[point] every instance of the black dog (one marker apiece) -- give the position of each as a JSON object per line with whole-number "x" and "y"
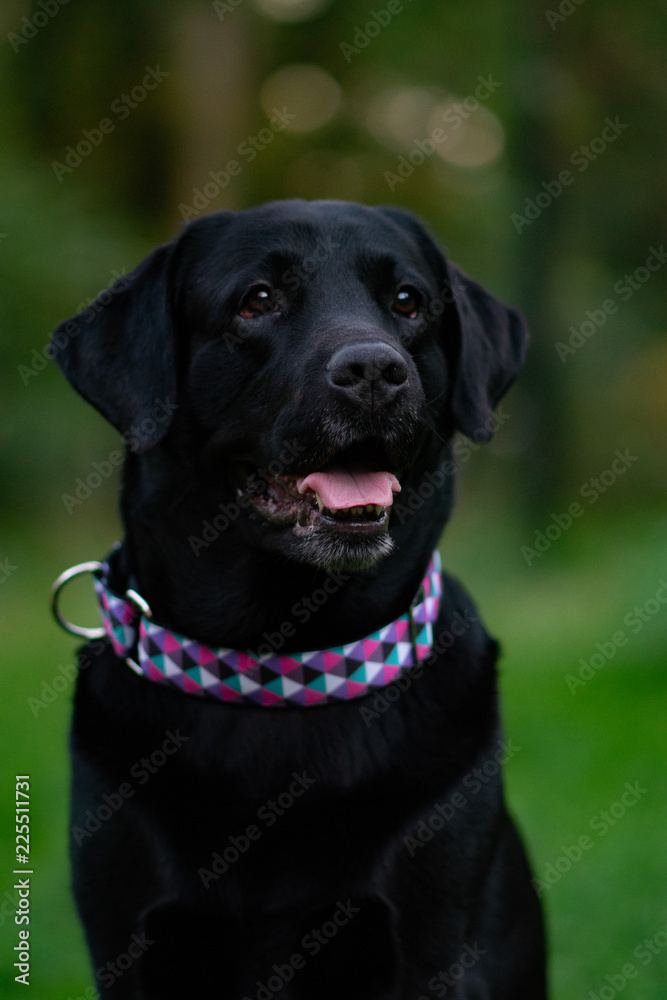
{"x": 278, "y": 375}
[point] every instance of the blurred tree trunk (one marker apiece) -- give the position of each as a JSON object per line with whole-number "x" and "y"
{"x": 216, "y": 84}
{"x": 538, "y": 157}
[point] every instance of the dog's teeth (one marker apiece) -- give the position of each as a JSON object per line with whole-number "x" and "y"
{"x": 356, "y": 511}
{"x": 319, "y": 502}
{"x": 370, "y": 508}
{"x": 378, "y": 509}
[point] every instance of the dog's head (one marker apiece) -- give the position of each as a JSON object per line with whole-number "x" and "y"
{"x": 305, "y": 361}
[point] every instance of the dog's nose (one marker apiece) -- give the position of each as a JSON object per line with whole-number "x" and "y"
{"x": 368, "y": 373}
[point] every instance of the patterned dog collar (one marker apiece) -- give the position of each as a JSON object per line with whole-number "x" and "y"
{"x": 275, "y": 680}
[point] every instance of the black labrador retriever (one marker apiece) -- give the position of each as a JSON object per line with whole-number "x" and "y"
{"x": 250, "y": 820}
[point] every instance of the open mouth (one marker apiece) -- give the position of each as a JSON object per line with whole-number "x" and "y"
{"x": 351, "y": 494}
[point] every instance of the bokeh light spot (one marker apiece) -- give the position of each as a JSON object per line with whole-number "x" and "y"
{"x": 474, "y": 137}
{"x": 400, "y": 115}
{"x": 307, "y": 92}
{"x": 291, "y": 10}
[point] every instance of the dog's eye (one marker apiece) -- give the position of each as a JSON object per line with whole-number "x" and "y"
{"x": 257, "y": 302}
{"x": 407, "y": 302}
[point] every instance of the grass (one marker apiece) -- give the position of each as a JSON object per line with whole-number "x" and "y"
{"x": 578, "y": 750}
{"x": 580, "y": 747}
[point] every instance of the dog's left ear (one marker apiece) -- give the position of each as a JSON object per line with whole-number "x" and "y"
{"x": 492, "y": 344}
{"x": 119, "y": 352}
{"x": 484, "y": 340}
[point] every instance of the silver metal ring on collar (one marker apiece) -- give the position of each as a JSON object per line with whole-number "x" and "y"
{"x": 87, "y": 633}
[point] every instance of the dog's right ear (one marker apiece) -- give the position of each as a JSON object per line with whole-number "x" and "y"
{"x": 119, "y": 353}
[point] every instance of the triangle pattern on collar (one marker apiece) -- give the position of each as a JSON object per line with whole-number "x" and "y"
{"x": 316, "y": 677}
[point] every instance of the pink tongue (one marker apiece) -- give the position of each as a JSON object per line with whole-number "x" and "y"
{"x": 339, "y": 488}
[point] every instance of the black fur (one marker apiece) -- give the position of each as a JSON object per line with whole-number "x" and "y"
{"x": 205, "y": 398}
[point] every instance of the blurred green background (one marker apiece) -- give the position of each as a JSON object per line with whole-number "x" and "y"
{"x": 119, "y": 118}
